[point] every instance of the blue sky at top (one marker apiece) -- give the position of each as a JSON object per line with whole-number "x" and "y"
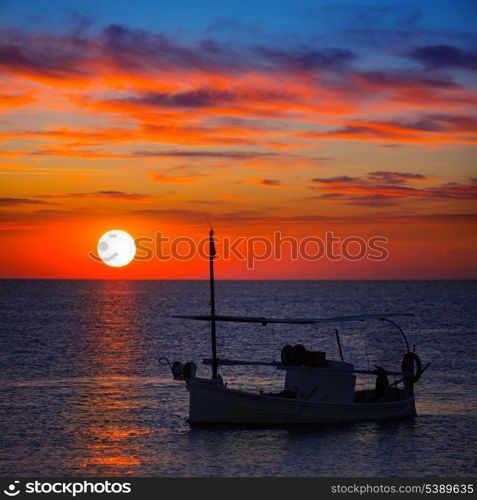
{"x": 378, "y": 32}
{"x": 305, "y": 17}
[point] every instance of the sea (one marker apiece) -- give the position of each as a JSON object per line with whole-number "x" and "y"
{"x": 82, "y": 391}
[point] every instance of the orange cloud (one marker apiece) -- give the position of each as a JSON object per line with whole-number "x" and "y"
{"x": 233, "y": 196}
{"x": 15, "y": 100}
{"x": 177, "y": 175}
{"x": 108, "y": 195}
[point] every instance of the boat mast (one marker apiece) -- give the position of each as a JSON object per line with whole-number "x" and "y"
{"x": 215, "y": 363}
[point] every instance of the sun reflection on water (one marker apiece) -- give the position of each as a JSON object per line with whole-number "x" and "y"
{"x": 110, "y": 438}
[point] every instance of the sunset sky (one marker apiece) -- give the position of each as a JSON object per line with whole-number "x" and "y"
{"x": 267, "y": 115}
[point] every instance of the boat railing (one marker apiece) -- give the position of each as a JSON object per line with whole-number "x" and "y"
{"x": 280, "y": 365}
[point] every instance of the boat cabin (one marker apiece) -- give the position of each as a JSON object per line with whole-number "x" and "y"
{"x": 325, "y": 381}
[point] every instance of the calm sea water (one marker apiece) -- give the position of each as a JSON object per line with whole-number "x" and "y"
{"x": 82, "y": 392}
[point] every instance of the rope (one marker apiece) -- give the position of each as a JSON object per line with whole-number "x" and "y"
{"x": 165, "y": 362}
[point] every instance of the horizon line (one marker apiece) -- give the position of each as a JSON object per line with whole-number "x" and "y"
{"x": 236, "y": 279}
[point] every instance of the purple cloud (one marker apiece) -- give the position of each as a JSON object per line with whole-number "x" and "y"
{"x": 445, "y": 56}
{"x": 14, "y": 202}
{"x": 271, "y": 182}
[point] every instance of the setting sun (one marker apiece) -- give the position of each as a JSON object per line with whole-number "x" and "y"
{"x": 116, "y": 248}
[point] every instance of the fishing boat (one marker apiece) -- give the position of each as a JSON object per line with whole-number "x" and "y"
{"x": 316, "y": 389}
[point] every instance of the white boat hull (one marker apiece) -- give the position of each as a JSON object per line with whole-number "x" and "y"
{"x": 212, "y": 403}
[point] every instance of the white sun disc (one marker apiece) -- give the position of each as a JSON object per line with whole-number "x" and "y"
{"x": 116, "y": 248}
